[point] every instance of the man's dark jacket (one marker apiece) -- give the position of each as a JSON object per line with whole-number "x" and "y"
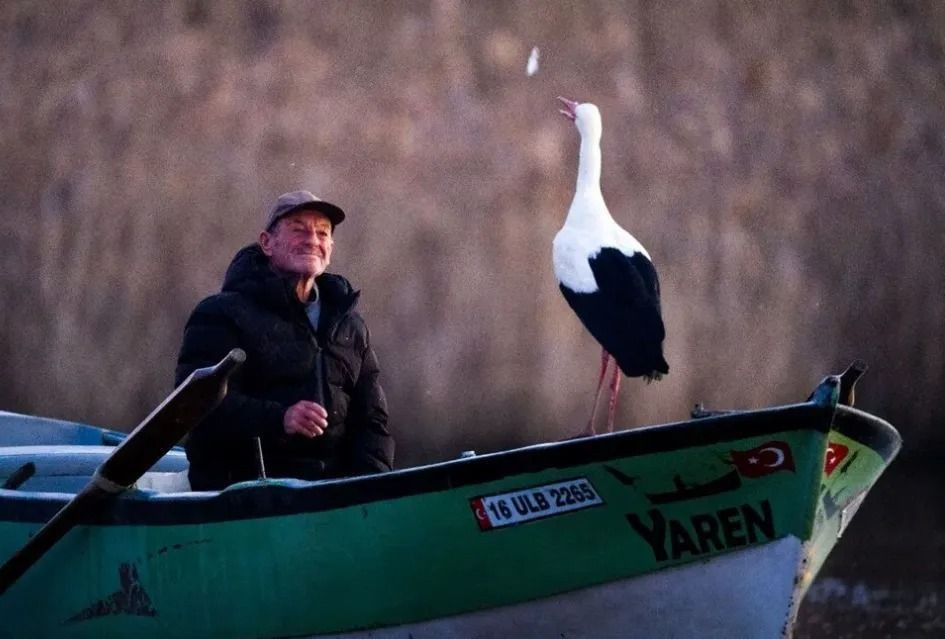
{"x": 287, "y": 361}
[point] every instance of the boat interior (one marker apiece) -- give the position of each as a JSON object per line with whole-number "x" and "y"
{"x": 68, "y": 468}
{"x": 45, "y": 455}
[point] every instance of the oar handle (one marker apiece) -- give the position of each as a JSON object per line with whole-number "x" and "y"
{"x": 190, "y": 402}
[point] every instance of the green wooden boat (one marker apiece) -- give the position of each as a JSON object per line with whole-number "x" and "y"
{"x": 712, "y": 527}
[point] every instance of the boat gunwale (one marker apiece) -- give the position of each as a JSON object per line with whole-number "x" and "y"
{"x": 868, "y": 429}
{"x": 257, "y": 499}
{"x": 271, "y": 498}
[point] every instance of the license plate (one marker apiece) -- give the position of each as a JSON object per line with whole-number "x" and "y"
{"x": 537, "y": 502}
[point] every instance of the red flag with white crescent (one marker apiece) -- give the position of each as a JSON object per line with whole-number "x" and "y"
{"x": 763, "y": 460}
{"x": 479, "y": 510}
{"x": 836, "y": 453}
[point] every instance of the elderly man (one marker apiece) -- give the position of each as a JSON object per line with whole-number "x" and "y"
{"x": 309, "y": 389}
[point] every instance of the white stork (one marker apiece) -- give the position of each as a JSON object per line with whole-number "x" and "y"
{"x": 606, "y": 275}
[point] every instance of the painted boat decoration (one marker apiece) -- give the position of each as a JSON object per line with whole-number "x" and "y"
{"x": 712, "y": 527}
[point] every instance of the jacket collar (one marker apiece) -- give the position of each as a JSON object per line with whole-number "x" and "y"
{"x": 250, "y": 275}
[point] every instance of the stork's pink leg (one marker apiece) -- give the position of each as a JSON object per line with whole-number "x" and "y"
{"x": 612, "y": 406}
{"x": 604, "y": 360}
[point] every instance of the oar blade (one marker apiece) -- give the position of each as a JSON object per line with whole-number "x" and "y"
{"x": 181, "y": 411}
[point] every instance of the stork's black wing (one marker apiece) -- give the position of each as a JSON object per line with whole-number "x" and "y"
{"x": 624, "y": 313}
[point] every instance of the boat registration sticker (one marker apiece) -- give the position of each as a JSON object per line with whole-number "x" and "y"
{"x": 538, "y": 502}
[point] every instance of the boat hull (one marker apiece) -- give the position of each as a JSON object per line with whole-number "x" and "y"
{"x": 696, "y": 600}
{"x": 663, "y": 531}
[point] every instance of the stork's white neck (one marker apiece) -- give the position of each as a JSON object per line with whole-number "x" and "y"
{"x": 588, "y": 207}
{"x": 589, "y": 159}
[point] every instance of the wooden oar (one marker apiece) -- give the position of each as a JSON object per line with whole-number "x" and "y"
{"x": 190, "y": 402}
{"x": 20, "y": 475}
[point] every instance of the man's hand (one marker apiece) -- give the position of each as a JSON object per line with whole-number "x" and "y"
{"x": 305, "y": 418}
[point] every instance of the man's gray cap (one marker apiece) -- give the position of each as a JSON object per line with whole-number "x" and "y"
{"x": 303, "y": 201}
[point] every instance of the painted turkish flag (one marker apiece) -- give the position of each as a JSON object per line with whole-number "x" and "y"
{"x": 836, "y": 453}
{"x": 479, "y": 510}
{"x": 763, "y": 460}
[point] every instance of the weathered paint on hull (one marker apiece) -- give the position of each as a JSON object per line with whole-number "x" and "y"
{"x": 741, "y": 594}
{"x": 457, "y": 546}
{"x": 851, "y": 468}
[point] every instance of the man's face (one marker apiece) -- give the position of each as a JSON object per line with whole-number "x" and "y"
{"x": 299, "y": 244}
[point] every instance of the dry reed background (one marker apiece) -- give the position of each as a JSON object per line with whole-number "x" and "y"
{"x": 782, "y": 162}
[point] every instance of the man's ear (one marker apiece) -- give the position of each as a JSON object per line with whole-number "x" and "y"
{"x": 265, "y": 243}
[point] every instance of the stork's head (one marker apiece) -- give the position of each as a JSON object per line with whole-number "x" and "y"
{"x": 586, "y": 117}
